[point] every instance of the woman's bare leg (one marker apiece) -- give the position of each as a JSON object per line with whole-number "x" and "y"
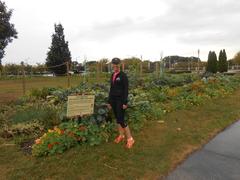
{"x": 128, "y": 132}
{"x": 120, "y": 130}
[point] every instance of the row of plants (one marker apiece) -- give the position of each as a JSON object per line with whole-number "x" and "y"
{"x": 194, "y": 94}
{"x": 46, "y": 111}
{"x": 141, "y": 109}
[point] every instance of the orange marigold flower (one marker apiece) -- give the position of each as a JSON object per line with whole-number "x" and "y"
{"x": 38, "y": 141}
{"x": 50, "y": 146}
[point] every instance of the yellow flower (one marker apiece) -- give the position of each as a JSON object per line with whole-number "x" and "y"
{"x": 50, "y": 130}
{"x": 57, "y": 130}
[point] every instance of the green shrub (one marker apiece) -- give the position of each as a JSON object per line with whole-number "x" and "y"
{"x": 47, "y": 114}
{"x": 41, "y": 93}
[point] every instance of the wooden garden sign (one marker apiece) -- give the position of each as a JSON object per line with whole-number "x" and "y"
{"x": 80, "y": 105}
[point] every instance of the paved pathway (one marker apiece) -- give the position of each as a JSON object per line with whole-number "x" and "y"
{"x": 219, "y": 159}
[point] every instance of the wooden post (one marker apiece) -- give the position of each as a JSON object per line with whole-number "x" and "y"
{"x": 157, "y": 72}
{"x": 97, "y": 73}
{"x": 23, "y": 79}
{"x": 161, "y": 65}
{"x": 141, "y": 67}
{"x": 101, "y": 70}
{"x": 68, "y": 75}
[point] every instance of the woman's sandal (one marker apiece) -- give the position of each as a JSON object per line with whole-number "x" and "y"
{"x": 119, "y": 139}
{"x": 130, "y": 143}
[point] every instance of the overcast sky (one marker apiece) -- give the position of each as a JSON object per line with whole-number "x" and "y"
{"x": 124, "y": 28}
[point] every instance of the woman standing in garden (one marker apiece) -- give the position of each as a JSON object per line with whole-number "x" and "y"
{"x": 117, "y": 101}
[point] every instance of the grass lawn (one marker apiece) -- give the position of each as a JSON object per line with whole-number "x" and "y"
{"x": 12, "y": 89}
{"x": 159, "y": 148}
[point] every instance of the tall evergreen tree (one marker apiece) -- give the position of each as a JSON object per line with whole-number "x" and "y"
{"x": 225, "y": 63}
{"x": 221, "y": 63}
{"x": 215, "y": 62}
{"x": 223, "y": 67}
{"x": 58, "y": 52}
{"x": 209, "y": 62}
{"x": 212, "y": 64}
{"x": 7, "y": 30}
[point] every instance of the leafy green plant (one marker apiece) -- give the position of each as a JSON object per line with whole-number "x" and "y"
{"x": 69, "y": 134}
{"x": 52, "y": 142}
{"x": 41, "y": 93}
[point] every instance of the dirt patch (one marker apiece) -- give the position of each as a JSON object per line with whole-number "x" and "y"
{"x": 26, "y": 146}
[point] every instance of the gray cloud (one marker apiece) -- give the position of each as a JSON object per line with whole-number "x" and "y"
{"x": 207, "y": 22}
{"x": 191, "y": 21}
{"x": 185, "y": 25}
{"x": 105, "y": 31}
